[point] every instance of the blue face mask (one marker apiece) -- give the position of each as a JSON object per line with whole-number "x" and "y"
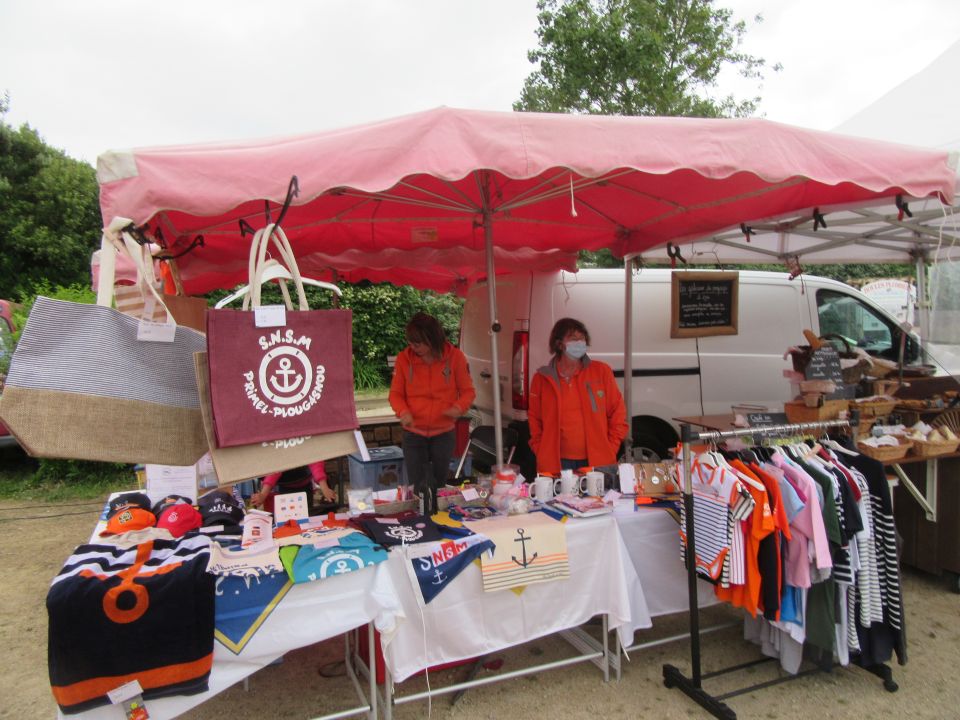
{"x": 575, "y": 349}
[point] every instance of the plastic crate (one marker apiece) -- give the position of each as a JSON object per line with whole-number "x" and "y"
{"x": 383, "y": 470}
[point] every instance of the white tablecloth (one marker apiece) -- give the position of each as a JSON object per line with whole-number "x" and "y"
{"x": 463, "y": 621}
{"x": 307, "y": 614}
{"x": 653, "y": 542}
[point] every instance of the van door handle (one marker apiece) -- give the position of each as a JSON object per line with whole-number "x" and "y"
{"x": 485, "y": 374}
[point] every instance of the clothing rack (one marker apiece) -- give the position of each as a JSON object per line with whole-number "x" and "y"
{"x": 692, "y": 686}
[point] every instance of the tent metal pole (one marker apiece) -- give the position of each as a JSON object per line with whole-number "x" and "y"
{"x": 494, "y": 328}
{"x": 923, "y": 302}
{"x": 628, "y": 354}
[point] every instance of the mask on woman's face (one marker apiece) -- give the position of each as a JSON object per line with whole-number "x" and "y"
{"x": 575, "y": 349}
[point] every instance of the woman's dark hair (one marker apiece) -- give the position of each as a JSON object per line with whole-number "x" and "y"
{"x": 561, "y": 328}
{"x": 424, "y": 328}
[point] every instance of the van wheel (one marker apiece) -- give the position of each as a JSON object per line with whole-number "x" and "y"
{"x": 652, "y": 440}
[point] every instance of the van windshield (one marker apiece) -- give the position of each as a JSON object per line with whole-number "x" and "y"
{"x": 861, "y": 326}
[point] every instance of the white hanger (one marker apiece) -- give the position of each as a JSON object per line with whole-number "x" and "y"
{"x": 275, "y": 271}
{"x": 716, "y": 460}
{"x": 834, "y": 445}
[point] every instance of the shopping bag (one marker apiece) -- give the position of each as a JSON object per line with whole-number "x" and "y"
{"x": 81, "y": 385}
{"x": 188, "y": 311}
{"x": 656, "y": 479}
{"x": 132, "y": 282}
{"x": 272, "y": 383}
{"x": 129, "y": 300}
{"x": 243, "y": 462}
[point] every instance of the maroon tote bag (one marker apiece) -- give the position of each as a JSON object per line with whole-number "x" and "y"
{"x": 275, "y": 383}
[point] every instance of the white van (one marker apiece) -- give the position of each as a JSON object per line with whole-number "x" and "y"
{"x": 671, "y": 377}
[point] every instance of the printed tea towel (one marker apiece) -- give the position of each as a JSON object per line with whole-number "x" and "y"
{"x": 528, "y": 549}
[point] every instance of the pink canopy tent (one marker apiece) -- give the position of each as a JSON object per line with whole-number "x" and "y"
{"x": 450, "y": 178}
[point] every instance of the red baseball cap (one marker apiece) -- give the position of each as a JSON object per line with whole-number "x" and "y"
{"x": 179, "y": 519}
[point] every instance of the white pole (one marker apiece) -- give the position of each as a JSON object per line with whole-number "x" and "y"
{"x": 494, "y": 329}
{"x": 628, "y": 354}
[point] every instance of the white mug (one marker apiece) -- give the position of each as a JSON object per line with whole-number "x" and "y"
{"x": 567, "y": 484}
{"x": 541, "y": 488}
{"x": 594, "y": 483}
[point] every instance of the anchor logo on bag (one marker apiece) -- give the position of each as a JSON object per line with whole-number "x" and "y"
{"x": 285, "y": 384}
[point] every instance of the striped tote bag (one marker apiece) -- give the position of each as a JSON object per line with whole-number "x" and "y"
{"x": 82, "y": 386}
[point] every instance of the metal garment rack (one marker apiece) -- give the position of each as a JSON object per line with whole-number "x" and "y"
{"x": 692, "y": 686}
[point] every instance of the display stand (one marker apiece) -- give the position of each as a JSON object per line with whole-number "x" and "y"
{"x": 692, "y": 686}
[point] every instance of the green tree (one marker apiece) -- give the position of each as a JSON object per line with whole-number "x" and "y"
{"x": 637, "y": 57}
{"x": 49, "y": 213}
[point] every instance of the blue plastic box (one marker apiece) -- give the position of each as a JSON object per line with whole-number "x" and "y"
{"x": 382, "y": 471}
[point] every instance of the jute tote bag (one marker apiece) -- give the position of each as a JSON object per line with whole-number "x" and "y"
{"x": 243, "y": 462}
{"x": 81, "y": 385}
{"x": 135, "y": 299}
{"x": 272, "y": 383}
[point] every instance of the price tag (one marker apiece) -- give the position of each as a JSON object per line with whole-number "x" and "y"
{"x": 471, "y": 494}
{"x": 125, "y": 692}
{"x": 149, "y": 331}
{"x": 270, "y": 316}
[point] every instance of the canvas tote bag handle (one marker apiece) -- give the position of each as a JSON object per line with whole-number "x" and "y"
{"x": 258, "y": 263}
{"x": 115, "y": 239}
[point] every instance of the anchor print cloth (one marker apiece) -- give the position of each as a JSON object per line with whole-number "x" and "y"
{"x": 354, "y": 551}
{"x": 389, "y": 531}
{"x": 276, "y": 383}
{"x": 437, "y": 564}
{"x": 529, "y": 549}
{"x": 122, "y": 613}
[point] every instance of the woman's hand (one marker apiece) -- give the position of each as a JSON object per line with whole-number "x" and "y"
{"x": 406, "y": 420}
{"x": 452, "y": 412}
{"x": 258, "y": 498}
{"x": 328, "y": 493}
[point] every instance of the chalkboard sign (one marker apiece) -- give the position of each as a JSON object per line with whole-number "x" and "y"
{"x": 703, "y": 303}
{"x": 766, "y": 419}
{"x": 824, "y": 365}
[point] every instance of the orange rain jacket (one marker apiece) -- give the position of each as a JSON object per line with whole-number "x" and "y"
{"x": 426, "y": 390}
{"x": 605, "y": 422}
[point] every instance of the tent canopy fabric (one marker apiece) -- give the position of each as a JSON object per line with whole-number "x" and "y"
{"x": 922, "y": 110}
{"x": 434, "y": 180}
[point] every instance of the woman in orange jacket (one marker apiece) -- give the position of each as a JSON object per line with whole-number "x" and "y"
{"x": 577, "y": 416}
{"x": 431, "y": 388}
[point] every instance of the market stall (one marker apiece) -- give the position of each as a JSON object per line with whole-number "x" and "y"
{"x": 504, "y": 187}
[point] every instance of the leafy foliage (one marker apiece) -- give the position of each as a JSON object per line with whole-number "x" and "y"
{"x": 49, "y": 213}
{"x": 637, "y": 57}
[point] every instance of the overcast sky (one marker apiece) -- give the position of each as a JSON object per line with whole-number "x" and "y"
{"x": 93, "y": 75}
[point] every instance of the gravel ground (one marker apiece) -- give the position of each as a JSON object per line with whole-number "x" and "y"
{"x": 37, "y": 539}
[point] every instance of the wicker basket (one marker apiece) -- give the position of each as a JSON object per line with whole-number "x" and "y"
{"x": 445, "y": 501}
{"x": 873, "y": 408}
{"x": 798, "y": 412}
{"x": 388, "y": 508}
{"x": 865, "y": 425}
{"x": 887, "y": 453}
{"x": 926, "y": 448}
